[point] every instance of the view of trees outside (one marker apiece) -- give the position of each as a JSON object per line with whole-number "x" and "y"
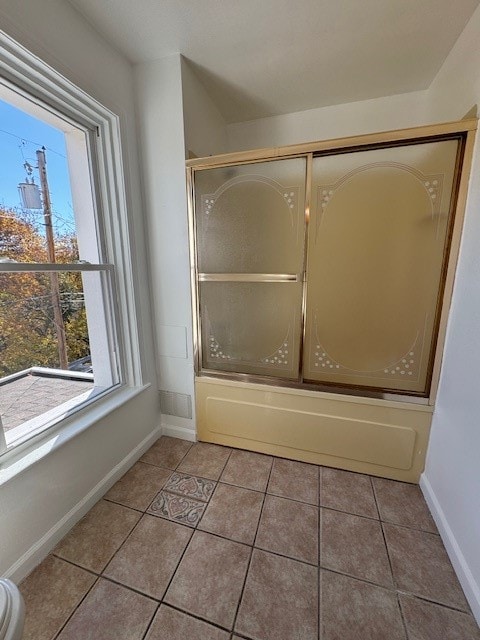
{"x": 27, "y": 330}
{"x": 28, "y": 335}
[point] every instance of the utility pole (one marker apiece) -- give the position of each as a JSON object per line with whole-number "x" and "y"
{"x": 55, "y": 288}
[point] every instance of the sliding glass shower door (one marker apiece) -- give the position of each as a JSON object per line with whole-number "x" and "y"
{"x": 326, "y": 269}
{"x": 377, "y": 243}
{"x": 250, "y": 223}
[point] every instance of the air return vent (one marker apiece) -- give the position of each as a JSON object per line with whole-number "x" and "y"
{"x": 176, "y": 404}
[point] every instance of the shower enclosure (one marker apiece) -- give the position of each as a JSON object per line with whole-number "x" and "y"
{"x": 324, "y": 266}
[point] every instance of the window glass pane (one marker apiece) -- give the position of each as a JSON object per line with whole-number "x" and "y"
{"x": 46, "y": 205}
{"x": 35, "y": 386}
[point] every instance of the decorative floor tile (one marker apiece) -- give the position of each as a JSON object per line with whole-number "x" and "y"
{"x": 205, "y": 460}
{"x": 167, "y": 452}
{"x": 295, "y": 480}
{"x": 209, "y": 580}
{"x": 110, "y": 612}
{"x": 190, "y": 486}
{"x": 248, "y": 470}
{"x": 178, "y": 508}
{"x": 233, "y": 513}
{"x": 427, "y": 621}
{"x": 170, "y": 624}
{"x": 93, "y": 541}
{"x": 148, "y": 558}
{"x": 421, "y": 566}
{"x": 354, "y": 545}
{"x": 347, "y": 491}
{"x": 138, "y": 487}
{"x": 51, "y": 593}
{"x": 403, "y": 503}
{"x": 289, "y": 528}
{"x": 280, "y": 600}
{"x": 355, "y": 610}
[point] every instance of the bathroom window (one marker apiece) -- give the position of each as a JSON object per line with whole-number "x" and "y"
{"x": 65, "y": 314}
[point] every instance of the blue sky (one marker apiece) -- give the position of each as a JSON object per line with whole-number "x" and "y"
{"x": 20, "y": 136}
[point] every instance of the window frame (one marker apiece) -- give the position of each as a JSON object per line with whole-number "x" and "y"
{"x": 35, "y": 80}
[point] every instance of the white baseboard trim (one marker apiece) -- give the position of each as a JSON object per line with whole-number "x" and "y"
{"x": 178, "y": 432}
{"x": 38, "y": 551}
{"x": 465, "y": 576}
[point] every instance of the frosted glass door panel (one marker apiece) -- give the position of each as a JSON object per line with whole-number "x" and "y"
{"x": 376, "y": 246}
{"x": 250, "y": 218}
{"x": 251, "y": 327}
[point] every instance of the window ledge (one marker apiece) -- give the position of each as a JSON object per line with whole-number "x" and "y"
{"x": 36, "y": 449}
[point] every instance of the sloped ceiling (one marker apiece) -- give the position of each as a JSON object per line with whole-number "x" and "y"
{"x": 265, "y": 57}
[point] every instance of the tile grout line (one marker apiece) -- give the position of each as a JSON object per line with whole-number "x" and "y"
{"x": 252, "y": 550}
{"x": 196, "y": 616}
{"x": 122, "y": 504}
{"x": 74, "y": 564}
{"x": 411, "y": 594}
{"x": 181, "y": 556}
{"x": 207, "y": 504}
{"x": 123, "y": 543}
{"x": 56, "y": 635}
{"x": 390, "y": 563}
{"x": 100, "y": 573}
{"x": 192, "y": 529}
{"x": 404, "y": 622}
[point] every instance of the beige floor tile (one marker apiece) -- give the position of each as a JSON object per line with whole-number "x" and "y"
{"x": 51, "y": 593}
{"x": 205, "y": 460}
{"x": 248, "y": 470}
{"x": 355, "y": 610}
{"x": 280, "y": 600}
{"x": 167, "y": 452}
{"x": 354, "y": 545}
{"x": 170, "y": 624}
{"x": 208, "y": 583}
{"x": 295, "y": 480}
{"x": 421, "y": 566}
{"x": 403, "y": 503}
{"x": 93, "y": 541}
{"x": 110, "y": 612}
{"x": 148, "y": 559}
{"x": 289, "y": 528}
{"x": 347, "y": 491}
{"x": 233, "y": 513}
{"x": 427, "y": 621}
{"x": 139, "y": 486}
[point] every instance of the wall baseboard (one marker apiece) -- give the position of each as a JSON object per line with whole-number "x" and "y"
{"x": 178, "y": 432}
{"x": 38, "y": 551}
{"x": 465, "y": 576}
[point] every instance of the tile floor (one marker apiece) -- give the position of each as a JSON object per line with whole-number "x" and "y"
{"x": 201, "y": 542}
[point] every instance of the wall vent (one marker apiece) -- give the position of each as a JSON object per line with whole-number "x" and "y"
{"x": 176, "y": 404}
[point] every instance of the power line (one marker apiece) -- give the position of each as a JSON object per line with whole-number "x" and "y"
{"x": 37, "y": 144}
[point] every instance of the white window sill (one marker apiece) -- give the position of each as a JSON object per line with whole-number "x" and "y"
{"x": 37, "y": 448}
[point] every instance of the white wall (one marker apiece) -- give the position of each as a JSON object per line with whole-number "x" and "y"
{"x": 205, "y": 127}
{"x": 160, "y": 116}
{"x": 34, "y": 504}
{"x": 451, "y": 481}
{"x": 355, "y": 118}
{"x": 175, "y": 116}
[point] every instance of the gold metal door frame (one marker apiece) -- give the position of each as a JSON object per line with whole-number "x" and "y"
{"x": 463, "y": 130}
